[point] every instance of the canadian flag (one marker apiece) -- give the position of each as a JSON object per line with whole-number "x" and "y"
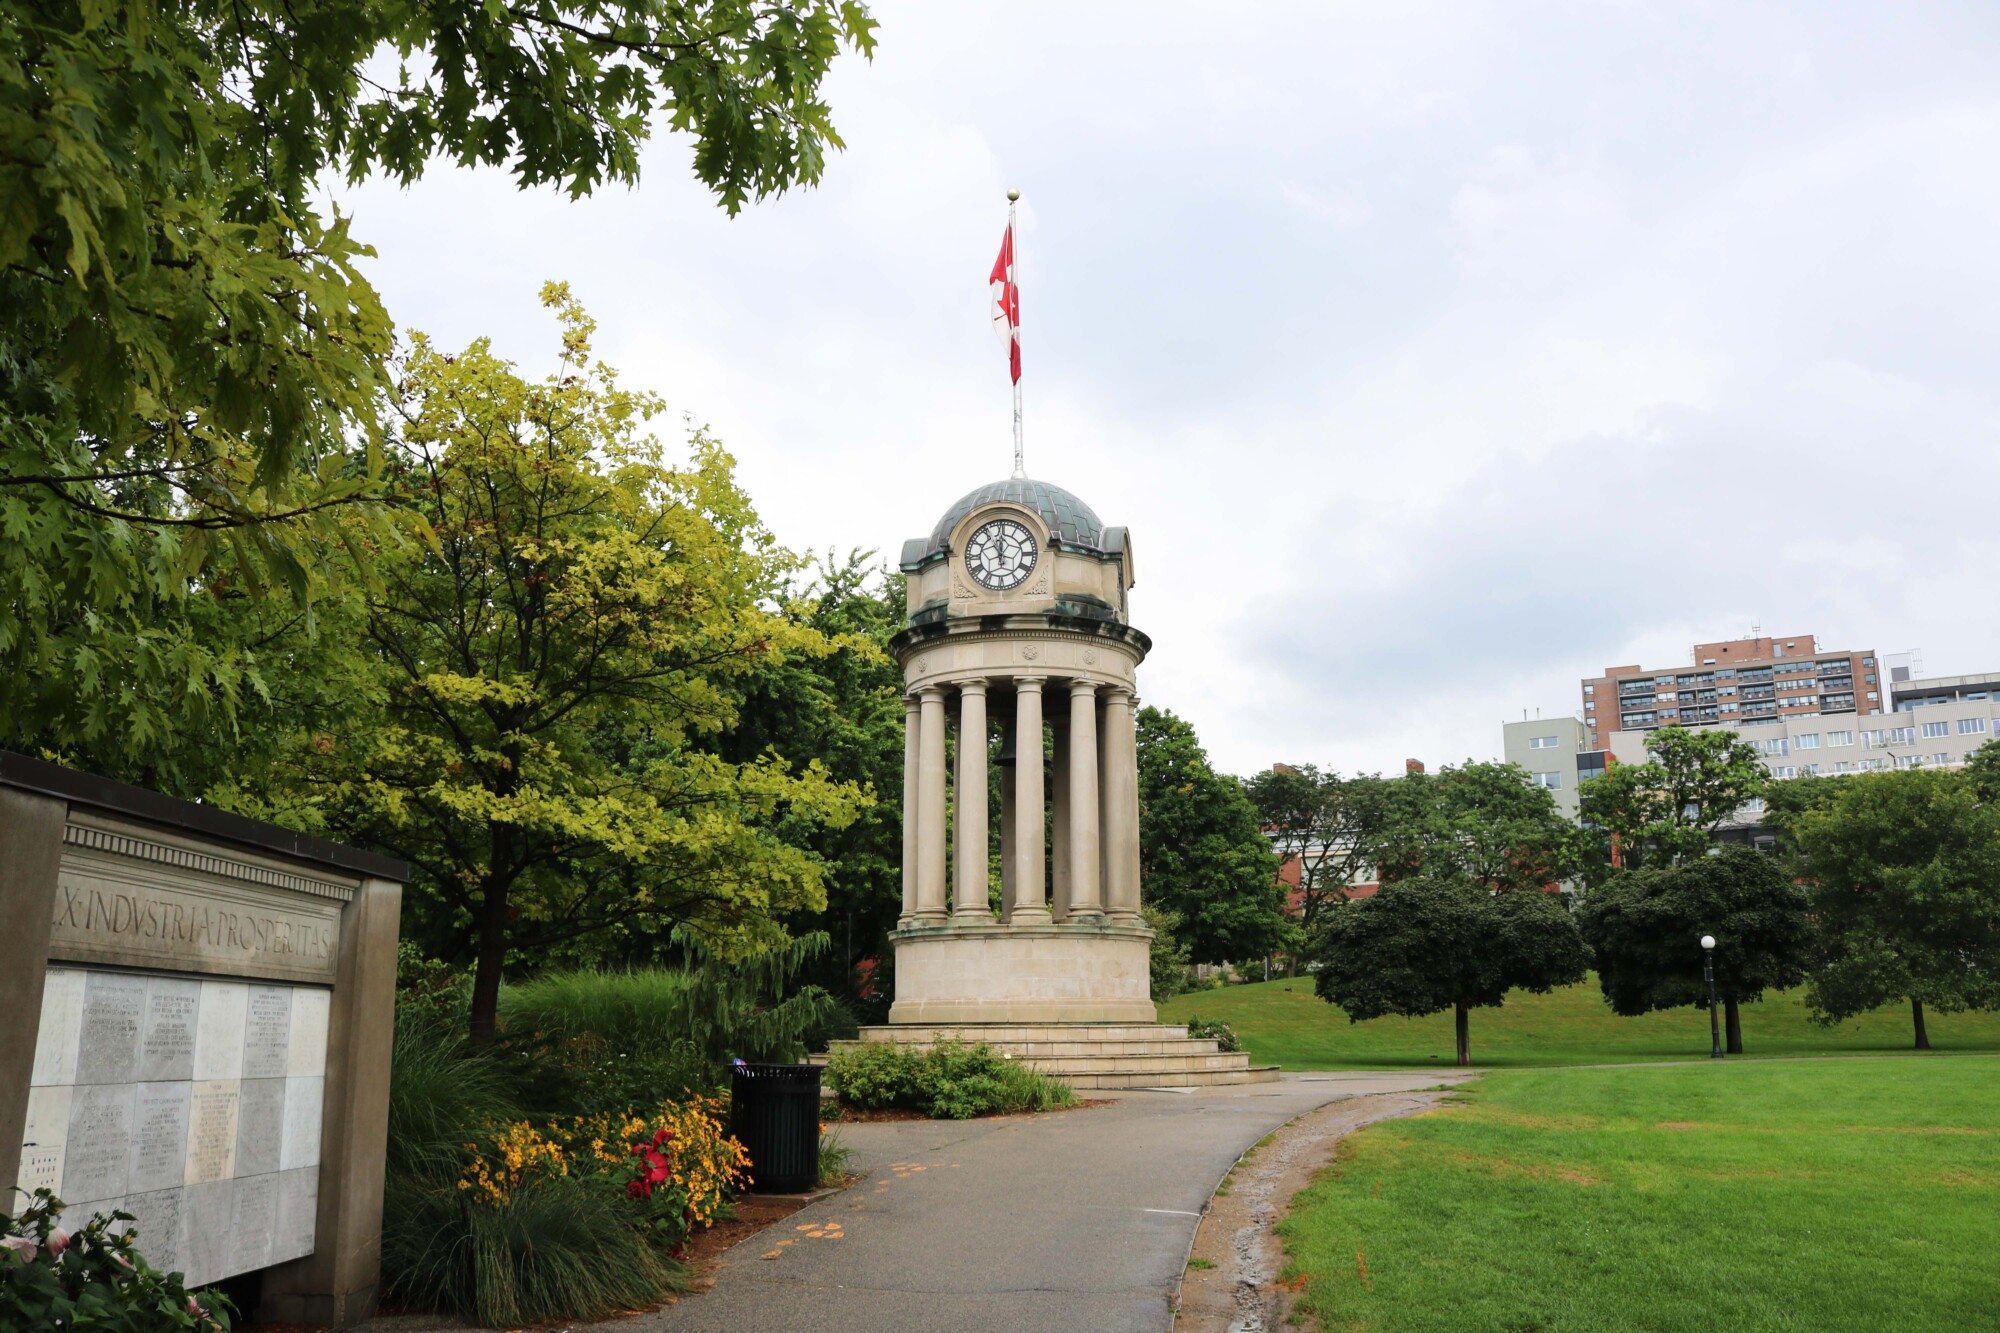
{"x": 1007, "y": 302}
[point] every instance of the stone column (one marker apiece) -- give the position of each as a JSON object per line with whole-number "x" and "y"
{"x": 1121, "y": 808}
{"x": 913, "y": 750}
{"x": 1008, "y": 816}
{"x": 31, "y": 843}
{"x": 1086, "y": 893}
{"x": 1025, "y": 837}
{"x": 971, "y": 902}
{"x": 1059, "y": 824}
{"x": 930, "y": 807}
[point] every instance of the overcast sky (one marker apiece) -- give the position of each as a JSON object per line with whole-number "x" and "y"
{"x": 1436, "y": 356}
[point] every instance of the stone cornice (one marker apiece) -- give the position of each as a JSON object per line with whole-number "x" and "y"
{"x": 141, "y": 849}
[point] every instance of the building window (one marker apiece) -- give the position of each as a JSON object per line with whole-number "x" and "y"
{"x": 1590, "y": 689}
{"x": 1840, "y": 738}
{"x": 1872, "y": 696}
{"x": 1590, "y": 705}
{"x": 1809, "y": 741}
{"x": 1776, "y": 745}
{"x": 1874, "y": 765}
{"x": 1932, "y": 730}
{"x": 1972, "y": 726}
{"x": 1785, "y": 771}
{"x": 1542, "y": 742}
{"x": 1943, "y": 757}
{"x": 1552, "y": 781}
{"x": 1902, "y": 735}
{"x": 1812, "y": 770}
{"x": 1908, "y": 760}
{"x": 1843, "y": 766}
{"x": 1753, "y": 806}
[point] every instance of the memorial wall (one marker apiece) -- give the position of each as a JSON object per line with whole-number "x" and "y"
{"x": 211, "y": 1005}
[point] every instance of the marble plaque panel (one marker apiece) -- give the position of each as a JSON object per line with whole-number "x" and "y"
{"x": 61, "y": 1027}
{"x": 159, "y": 1136}
{"x": 97, "y": 1155}
{"x": 211, "y": 1143}
{"x": 48, "y": 1117}
{"x": 298, "y": 1214}
{"x": 302, "y": 1122}
{"x": 310, "y": 1011}
{"x": 253, "y": 1216}
{"x": 267, "y": 1032}
{"x": 260, "y": 1126}
{"x": 40, "y": 1169}
{"x": 205, "y": 1214}
{"x": 156, "y": 1217}
{"x": 166, "y": 1044}
{"x": 218, "y": 1030}
{"x": 108, "y": 1051}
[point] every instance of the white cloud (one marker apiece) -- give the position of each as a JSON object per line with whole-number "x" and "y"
{"x": 1436, "y": 357}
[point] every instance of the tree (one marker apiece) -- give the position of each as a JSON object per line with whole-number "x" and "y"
{"x": 1202, "y": 857}
{"x": 1666, "y": 810}
{"x": 544, "y": 668}
{"x": 1486, "y": 822}
{"x": 1166, "y": 955}
{"x": 1421, "y": 946}
{"x": 1905, "y": 868}
{"x": 1329, "y": 825}
{"x": 192, "y": 367}
{"x": 1645, "y": 927}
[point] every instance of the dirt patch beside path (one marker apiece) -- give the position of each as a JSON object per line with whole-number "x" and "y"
{"x": 1231, "y": 1282}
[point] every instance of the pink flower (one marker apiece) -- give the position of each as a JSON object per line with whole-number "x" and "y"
{"x": 20, "y": 1245}
{"x": 196, "y": 1310}
{"x": 58, "y": 1242}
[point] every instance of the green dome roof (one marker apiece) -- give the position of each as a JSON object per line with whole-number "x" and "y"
{"x": 1070, "y": 520}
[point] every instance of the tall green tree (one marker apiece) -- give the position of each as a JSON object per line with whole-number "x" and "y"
{"x": 1486, "y": 822}
{"x": 545, "y": 669}
{"x": 1666, "y": 811}
{"x": 1202, "y": 856}
{"x": 192, "y": 366}
{"x": 1905, "y": 868}
{"x": 1421, "y": 946}
{"x": 1329, "y": 826}
{"x": 1645, "y": 926}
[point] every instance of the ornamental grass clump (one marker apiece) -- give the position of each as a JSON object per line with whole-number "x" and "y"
{"x": 950, "y": 1081}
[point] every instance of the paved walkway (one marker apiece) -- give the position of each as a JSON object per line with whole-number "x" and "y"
{"x": 1074, "y": 1220}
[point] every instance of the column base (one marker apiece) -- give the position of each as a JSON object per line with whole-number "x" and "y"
{"x": 1030, "y": 916}
{"x": 989, "y": 973}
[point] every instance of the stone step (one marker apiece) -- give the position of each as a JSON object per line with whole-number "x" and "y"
{"x": 997, "y": 1033}
{"x": 1042, "y": 1050}
{"x": 1197, "y": 1078}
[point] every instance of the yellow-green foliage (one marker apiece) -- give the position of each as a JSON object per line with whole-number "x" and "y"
{"x": 546, "y": 662}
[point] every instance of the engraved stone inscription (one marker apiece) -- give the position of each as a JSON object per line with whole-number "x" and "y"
{"x": 267, "y": 1032}
{"x": 157, "y": 1221}
{"x": 109, "y": 1050}
{"x": 260, "y": 1126}
{"x": 302, "y": 1121}
{"x": 159, "y": 1136}
{"x": 166, "y": 1044}
{"x": 298, "y": 1212}
{"x": 218, "y": 1030}
{"x": 211, "y": 1149}
{"x": 41, "y": 1169}
{"x": 307, "y": 1054}
{"x": 98, "y": 1153}
{"x": 62, "y": 1024}
{"x": 253, "y": 1214}
{"x": 205, "y": 1211}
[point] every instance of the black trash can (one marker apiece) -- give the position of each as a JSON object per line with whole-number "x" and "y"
{"x": 774, "y": 1113}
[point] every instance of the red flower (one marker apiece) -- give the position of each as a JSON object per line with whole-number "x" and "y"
{"x": 637, "y": 1189}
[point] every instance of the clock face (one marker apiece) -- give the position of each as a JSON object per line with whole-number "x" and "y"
{"x": 1001, "y": 554}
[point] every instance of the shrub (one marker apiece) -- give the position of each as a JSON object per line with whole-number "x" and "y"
{"x": 1224, "y": 1036}
{"x": 93, "y": 1279}
{"x": 949, "y": 1081}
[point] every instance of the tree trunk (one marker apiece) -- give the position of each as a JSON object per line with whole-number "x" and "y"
{"x": 1732, "y": 1027}
{"x": 492, "y": 958}
{"x": 1917, "y": 1016}
{"x": 1464, "y": 1034}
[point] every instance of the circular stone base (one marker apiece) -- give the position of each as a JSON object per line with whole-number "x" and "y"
{"x": 993, "y": 973}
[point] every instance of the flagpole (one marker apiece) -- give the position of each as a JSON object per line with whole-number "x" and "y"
{"x": 1020, "y": 471}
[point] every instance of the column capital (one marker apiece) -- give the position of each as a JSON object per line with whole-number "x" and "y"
{"x": 971, "y": 685}
{"x": 912, "y": 703}
{"x": 1033, "y": 683}
{"x": 1080, "y": 688}
{"x": 928, "y": 692}
{"x": 1117, "y": 691}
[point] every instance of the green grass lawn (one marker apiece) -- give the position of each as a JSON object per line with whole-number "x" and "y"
{"x": 1848, "y": 1195}
{"x": 1283, "y": 1023}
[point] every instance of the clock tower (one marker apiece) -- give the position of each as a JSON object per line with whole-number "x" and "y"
{"x": 1019, "y": 649}
{"x": 1019, "y": 662}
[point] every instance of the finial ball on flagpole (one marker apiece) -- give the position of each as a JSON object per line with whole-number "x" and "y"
{"x": 1013, "y": 195}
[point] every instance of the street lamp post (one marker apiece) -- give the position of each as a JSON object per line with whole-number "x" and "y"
{"x": 1708, "y": 975}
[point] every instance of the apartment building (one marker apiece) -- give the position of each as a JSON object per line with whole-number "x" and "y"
{"x": 1553, "y": 751}
{"x": 1770, "y": 680}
